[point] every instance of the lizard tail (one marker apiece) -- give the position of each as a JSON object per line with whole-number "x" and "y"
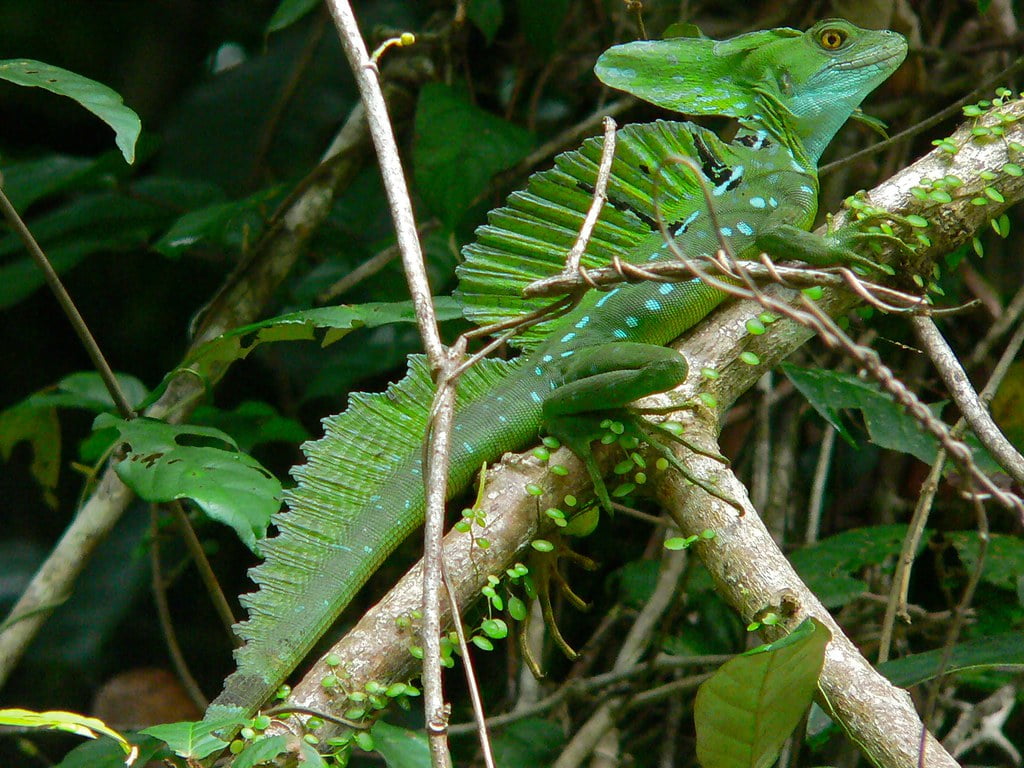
{"x": 357, "y": 497}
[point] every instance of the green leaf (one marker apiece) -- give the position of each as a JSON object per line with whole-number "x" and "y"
{"x": 752, "y": 703}
{"x": 193, "y": 740}
{"x": 889, "y": 425}
{"x": 288, "y": 12}
{"x": 541, "y": 22}
{"x": 532, "y": 741}
{"x": 69, "y": 722}
{"x": 34, "y": 420}
{"x": 252, "y": 423}
{"x": 996, "y": 652}
{"x": 310, "y": 757}
{"x": 487, "y": 15}
{"x": 97, "y": 222}
{"x": 336, "y": 322}
{"x": 637, "y": 581}
{"x": 399, "y": 747}
{"x": 262, "y": 751}
{"x": 230, "y": 225}
{"x": 103, "y": 102}
{"x": 231, "y": 487}
{"x": 1004, "y": 560}
{"x": 40, "y": 428}
{"x": 458, "y": 148}
{"x": 32, "y": 180}
{"x": 826, "y": 567}
{"x": 105, "y": 753}
{"x": 1004, "y": 651}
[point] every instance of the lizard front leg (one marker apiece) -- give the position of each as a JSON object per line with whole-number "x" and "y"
{"x": 597, "y": 384}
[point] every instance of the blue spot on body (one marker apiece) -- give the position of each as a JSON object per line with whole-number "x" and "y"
{"x": 500, "y": 398}
{"x": 666, "y": 289}
{"x": 502, "y": 419}
{"x": 653, "y": 305}
{"x": 604, "y": 299}
{"x": 686, "y": 223}
{"x": 618, "y": 333}
{"x": 807, "y": 189}
{"x": 535, "y": 397}
{"x": 568, "y": 337}
{"x": 408, "y": 503}
{"x": 547, "y": 358}
{"x": 745, "y": 228}
{"x": 375, "y": 497}
{"x": 551, "y": 384}
{"x": 757, "y": 202}
{"x": 568, "y": 353}
{"x": 632, "y": 322}
{"x": 539, "y": 371}
{"x": 583, "y": 321}
{"x": 468, "y": 448}
{"x": 726, "y": 231}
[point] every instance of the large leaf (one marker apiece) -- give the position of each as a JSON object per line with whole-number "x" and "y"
{"x": 1004, "y": 559}
{"x": 1003, "y": 652}
{"x": 106, "y": 754}
{"x": 288, "y": 12}
{"x": 332, "y": 324}
{"x": 231, "y": 487}
{"x": 261, "y": 751}
{"x": 69, "y": 722}
{"x": 252, "y": 423}
{"x": 752, "y": 703}
{"x": 458, "y": 148}
{"x": 529, "y": 742}
{"x": 400, "y": 748}
{"x": 194, "y": 740}
{"x": 31, "y": 180}
{"x": 221, "y": 225}
{"x": 827, "y": 567}
{"x": 34, "y": 420}
{"x": 102, "y": 101}
{"x": 889, "y": 425}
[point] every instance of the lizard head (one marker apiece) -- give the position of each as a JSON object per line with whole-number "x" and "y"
{"x": 822, "y": 77}
{"x": 800, "y": 86}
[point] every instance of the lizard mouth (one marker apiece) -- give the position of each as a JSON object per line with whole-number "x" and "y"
{"x": 872, "y": 58}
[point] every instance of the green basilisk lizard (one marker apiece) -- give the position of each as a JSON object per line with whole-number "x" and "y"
{"x": 358, "y": 496}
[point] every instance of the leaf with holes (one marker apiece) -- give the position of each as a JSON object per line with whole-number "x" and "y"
{"x": 164, "y": 462}
{"x": 102, "y": 101}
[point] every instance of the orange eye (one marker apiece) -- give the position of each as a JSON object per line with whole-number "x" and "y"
{"x": 832, "y": 39}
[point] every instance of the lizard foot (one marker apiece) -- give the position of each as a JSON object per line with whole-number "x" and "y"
{"x": 545, "y": 574}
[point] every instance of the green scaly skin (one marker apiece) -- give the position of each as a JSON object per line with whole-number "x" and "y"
{"x": 791, "y": 92}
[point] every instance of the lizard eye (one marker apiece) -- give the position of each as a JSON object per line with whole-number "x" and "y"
{"x": 832, "y": 39}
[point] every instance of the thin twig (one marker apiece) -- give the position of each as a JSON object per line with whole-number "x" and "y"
{"x": 163, "y": 612}
{"x": 68, "y": 305}
{"x": 467, "y": 664}
{"x": 436, "y": 469}
{"x": 604, "y": 170}
{"x": 818, "y": 486}
{"x": 967, "y": 400}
